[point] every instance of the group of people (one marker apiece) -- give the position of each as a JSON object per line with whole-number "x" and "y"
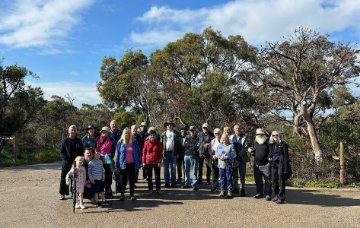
{"x": 119, "y": 154}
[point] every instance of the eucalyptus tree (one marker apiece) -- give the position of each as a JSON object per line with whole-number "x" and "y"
{"x": 298, "y": 75}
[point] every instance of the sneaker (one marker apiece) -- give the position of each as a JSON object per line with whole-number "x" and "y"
{"x": 242, "y": 193}
{"x": 61, "y": 197}
{"x": 98, "y": 205}
{"x": 195, "y": 188}
{"x": 82, "y": 206}
{"x": 186, "y": 186}
{"x": 267, "y": 198}
{"x": 132, "y": 198}
{"x": 77, "y": 206}
{"x": 279, "y": 201}
{"x": 173, "y": 185}
{"x": 105, "y": 203}
{"x": 275, "y": 199}
{"x": 229, "y": 194}
{"x": 167, "y": 185}
{"x": 258, "y": 196}
{"x": 213, "y": 189}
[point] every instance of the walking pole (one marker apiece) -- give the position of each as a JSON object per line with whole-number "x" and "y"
{"x": 74, "y": 187}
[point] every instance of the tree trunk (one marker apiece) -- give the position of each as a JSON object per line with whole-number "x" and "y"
{"x": 314, "y": 140}
{"x": 297, "y": 130}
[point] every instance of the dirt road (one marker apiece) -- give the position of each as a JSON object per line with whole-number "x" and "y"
{"x": 29, "y": 198}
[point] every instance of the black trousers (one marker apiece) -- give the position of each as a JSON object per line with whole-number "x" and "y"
{"x": 208, "y": 169}
{"x": 149, "y": 172}
{"x": 259, "y": 176}
{"x": 108, "y": 178}
{"x": 127, "y": 174}
{"x": 180, "y": 166}
{"x": 215, "y": 175}
{"x": 64, "y": 189}
{"x": 278, "y": 183}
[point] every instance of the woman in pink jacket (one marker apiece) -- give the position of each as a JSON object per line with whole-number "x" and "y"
{"x": 104, "y": 143}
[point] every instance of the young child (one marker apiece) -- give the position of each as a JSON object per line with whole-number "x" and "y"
{"x": 80, "y": 172}
{"x": 97, "y": 177}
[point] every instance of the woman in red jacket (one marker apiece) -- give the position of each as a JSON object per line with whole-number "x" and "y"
{"x": 152, "y": 157}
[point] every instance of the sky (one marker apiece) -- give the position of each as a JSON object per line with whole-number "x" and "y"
{"x": 64, "y": 41}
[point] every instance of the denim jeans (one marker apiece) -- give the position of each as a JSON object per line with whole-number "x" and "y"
{"x": 193, "y": 162}
{"x": 226, "y": 178}
{"x": 169, "y": 162}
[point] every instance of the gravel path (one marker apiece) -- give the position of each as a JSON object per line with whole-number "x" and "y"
{"x": 29, "y": 198}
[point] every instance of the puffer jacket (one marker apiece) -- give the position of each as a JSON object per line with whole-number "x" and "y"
{"x": 152, "y": 152}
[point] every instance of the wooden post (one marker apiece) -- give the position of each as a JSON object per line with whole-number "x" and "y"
{"x": 342, "y": 164}
{"x": 14, "y": 148}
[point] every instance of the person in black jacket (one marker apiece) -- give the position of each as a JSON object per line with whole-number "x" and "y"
{"x": 71, "y": 147}
{"x": 205, "y": 152}
{"x": 191, "y": 158}
{"x": 280, "y": 166}
{"x": 260, "y": 151}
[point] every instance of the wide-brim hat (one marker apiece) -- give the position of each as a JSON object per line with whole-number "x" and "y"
{"x": 260, "y": 131}
{"x": 91, "y": 126}
{"x": 169, "y": 123}
{"x": 105, "y": 129}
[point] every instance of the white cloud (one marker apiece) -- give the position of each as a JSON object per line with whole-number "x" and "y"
{"x": 39, "y": 23}
{"x": 84, "y": 93}
{"x": 257, "y": 21}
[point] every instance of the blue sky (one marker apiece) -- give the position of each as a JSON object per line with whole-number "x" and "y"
{"x": 64, "y": 41}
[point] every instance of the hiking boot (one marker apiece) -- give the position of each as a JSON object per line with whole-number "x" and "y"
{"x": 258, "y": 196}
{"x": 132, "y": 198}
{"x": 236, "y": 191}
{"x": 61, "y": 197}
{"x": 242, "y": 193}
{"x": 267, "y": 198}
{"x": 275, "y": 199}
{"x": 98, "y": 205}
{"x": 222, "y": 193}
{"x": 195, "y": 188}
{"x": 229, "y": 194}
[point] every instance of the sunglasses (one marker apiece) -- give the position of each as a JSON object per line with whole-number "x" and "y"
{"x": 275, "y": 135}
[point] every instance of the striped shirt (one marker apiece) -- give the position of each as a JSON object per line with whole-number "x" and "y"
{"x": 95, "y": 169}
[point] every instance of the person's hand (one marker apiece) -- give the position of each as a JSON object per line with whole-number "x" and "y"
{"x": 222, "y": 158}
{"x": 143, "y": 164}
{"x": 214, "y": 157}
{"x": 159, "y": 164}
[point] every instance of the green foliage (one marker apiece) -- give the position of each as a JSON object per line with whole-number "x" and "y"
{"x": 29, "y": 157}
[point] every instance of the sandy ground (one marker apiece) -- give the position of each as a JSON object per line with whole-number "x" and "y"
{"x": 29, "y": 198}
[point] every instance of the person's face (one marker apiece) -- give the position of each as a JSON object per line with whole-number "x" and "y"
{"x": 97, "y": 155}
{"x": 114, "y": 126}
{"x": 152, "y": 138}
{"x": 275, "y": 137}
{"x": 80, "y": 163}
{"x": 104, "y": 133}
{"x": 88, "y": 155}
{"x": 217, "y": 135}
{"x": 169, "y": 127}
{"x": 205, "y": 129}
{"x": 127, "y": 135}
{"x": 192, "y": 133}
{"x": 236, "y": 130}
{"x": 72, "y": 132}
{"x": 224, "y": 139}
{"x": 134, "y": 130}
{"x": 182, "y": 132}
{"x": 91, "y": 131}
